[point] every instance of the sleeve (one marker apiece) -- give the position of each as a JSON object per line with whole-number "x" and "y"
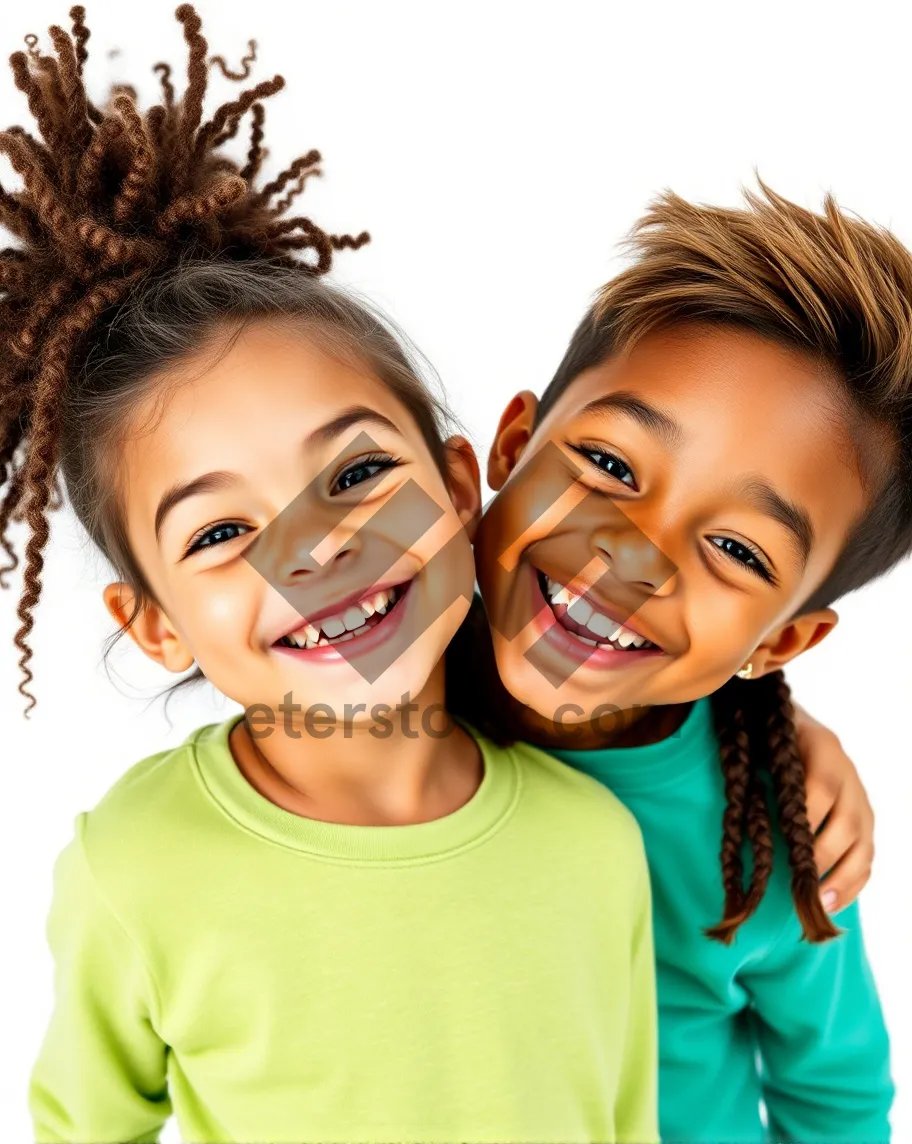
{"x": 101, "y": 1072}
{"x": 636, "y": 1108}
{"x": 825, "y": 1056}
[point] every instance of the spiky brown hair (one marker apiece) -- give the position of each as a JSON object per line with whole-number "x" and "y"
{"x": 111, "y": 195}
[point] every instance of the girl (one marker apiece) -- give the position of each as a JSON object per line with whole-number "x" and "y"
{"x": 648, "y": 568}
{"x": 324, "y": 919}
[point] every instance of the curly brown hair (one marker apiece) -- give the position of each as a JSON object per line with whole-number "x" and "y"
{"x": 137, "y": 237}
{"x": 840, "y": 290}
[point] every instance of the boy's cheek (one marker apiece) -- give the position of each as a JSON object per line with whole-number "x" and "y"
{"x": 535, "y": 498}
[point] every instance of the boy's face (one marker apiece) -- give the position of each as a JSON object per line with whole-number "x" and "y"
{"x": 697, "y": 489}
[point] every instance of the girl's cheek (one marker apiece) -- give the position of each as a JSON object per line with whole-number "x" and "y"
{"x": 220, "y": 617}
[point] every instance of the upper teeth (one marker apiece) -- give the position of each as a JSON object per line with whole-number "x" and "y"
{"x": 343, "y": 625}
{"x": 580, "y": 610}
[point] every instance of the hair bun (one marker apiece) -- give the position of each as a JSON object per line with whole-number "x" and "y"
{"x": 111, "y": 195}
{"x": 111, "y": 190}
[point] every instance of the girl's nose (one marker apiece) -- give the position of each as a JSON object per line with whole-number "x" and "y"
{"x": 301, "y": 561}
{"x": 317, "y": 545}
{"x": 304, "y": 543}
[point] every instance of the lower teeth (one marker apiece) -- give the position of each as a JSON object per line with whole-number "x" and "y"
{"x": 323, "y": 641}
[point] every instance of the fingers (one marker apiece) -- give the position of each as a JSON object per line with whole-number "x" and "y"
{"x": 846, "y": 880}
{"x": 821, "y": 799}
{"x": 840, "y": 835}
{"x": 827, "y": 766}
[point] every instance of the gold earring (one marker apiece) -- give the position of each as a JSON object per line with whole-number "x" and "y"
{"x": 746, "y": 672}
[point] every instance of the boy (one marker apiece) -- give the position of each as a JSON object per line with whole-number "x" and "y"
{"x": 722, "y": 453}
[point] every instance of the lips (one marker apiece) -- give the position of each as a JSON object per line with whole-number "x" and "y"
{"x": 345, "y": 621}
{"x": 557, "y": 633}
{"x": 586, "y": 619}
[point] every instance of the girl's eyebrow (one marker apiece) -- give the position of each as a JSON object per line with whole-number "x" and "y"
{"x": 354, "y": 416}
{"x": 206, "y": 483}
{"x": 222, "y": 479}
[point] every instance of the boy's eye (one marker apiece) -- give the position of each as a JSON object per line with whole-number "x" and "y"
{"x": 607, "y": 463}
{"x": 361, "y": 470}
{"x": 743, "y": 555}
{"x": 216, "y": 534}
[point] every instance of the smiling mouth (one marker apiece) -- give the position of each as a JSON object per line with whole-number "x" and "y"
{"x": 576, "y": 615}
{"x": 349, "y": 624}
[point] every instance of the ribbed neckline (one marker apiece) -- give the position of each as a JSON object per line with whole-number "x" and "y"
{"x": 485, "y": 813}
{"x": 627, "y": 770}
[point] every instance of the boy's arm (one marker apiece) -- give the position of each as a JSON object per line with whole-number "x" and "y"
{"x": 822, "y": 1039}
{"x": 636, "y": 1107}
{"x": 844, "y": 848}
{"x": 101, "y": 1072}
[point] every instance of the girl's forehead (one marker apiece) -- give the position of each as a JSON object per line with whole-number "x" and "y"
{"x": 269, "y": 369}
{"x": 268, "y": 392}
{"x": 257, "y": 411}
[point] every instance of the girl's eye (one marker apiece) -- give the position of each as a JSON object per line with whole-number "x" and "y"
{"x": 216, "y": 534}
{"x": 743, "y": 555}
{"x": 607, "y": 463}
{"x": 364, "y": 469}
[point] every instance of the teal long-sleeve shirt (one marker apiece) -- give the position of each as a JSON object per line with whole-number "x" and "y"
{"x": 770, "y": 1019}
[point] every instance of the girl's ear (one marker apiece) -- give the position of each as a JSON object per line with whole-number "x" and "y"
{"x": 464, "y": 482}
{"x": 513, "y": 434}
{"x": 793, "y": 638}
{"x": 151, "y": 630}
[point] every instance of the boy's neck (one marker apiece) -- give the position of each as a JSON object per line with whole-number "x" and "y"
{"x": 635, "y": 727}
{"x": 424, "y": 768}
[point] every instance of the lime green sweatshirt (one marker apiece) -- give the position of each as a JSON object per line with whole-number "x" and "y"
{"x": 768, "y": 1019}
{"x": 488, "y": 976}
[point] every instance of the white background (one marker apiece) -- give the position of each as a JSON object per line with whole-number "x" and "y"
{"x": 497, "y": 152}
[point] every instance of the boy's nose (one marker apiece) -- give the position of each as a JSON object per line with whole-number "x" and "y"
{"x": 635, "y": 559}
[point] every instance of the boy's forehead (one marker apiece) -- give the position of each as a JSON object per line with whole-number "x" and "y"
{"x": 725, "y": 405}
{"x": 692, "y": 368}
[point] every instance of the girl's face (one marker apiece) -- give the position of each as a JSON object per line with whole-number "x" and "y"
{"x": 662, "y": 525}
{"x": 300, "y": 540}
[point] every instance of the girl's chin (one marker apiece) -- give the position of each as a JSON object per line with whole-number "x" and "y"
{"x": 349, "y": 696}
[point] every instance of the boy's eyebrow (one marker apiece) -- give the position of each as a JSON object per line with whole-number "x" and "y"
{"x": 790, "y": 515}
{"x": 755, "y": 489}
{"x": 649, "y": 416}
{"x": 219, "y": 480}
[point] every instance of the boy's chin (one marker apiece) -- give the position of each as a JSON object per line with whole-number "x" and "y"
{"x": 566, "y": 703}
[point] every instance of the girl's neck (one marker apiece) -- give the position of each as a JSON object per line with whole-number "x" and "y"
{"x": 419, "y": 766}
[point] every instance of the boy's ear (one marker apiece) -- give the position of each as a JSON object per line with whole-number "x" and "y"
{"x": 151, "y": 631}
{"x": 513, "y": 433}
{"x": 464, "y": 482}
{"x": 793, "y": 638}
